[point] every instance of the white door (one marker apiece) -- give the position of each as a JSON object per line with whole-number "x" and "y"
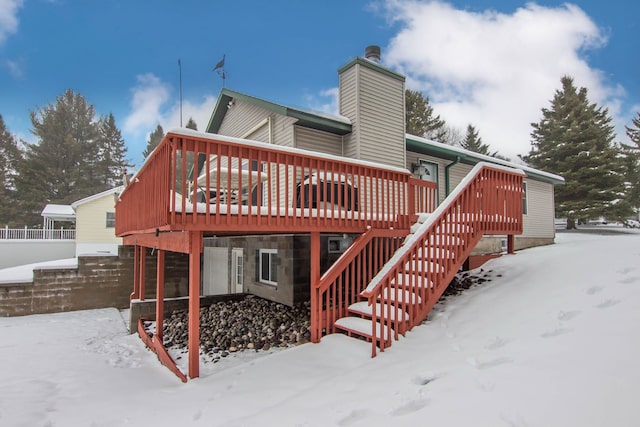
{"x": 237, "y": 270}
{"x": 215, "y": 271}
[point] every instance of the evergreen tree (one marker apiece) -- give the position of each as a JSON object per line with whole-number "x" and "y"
{"x": 631, "y": 155}
{"x": 10, "y": 156}
{"x": 420, "y": 118}
{"x": 63, "y": 166}
{"x": 574, "y": 139}
{"x": 154, "y": 139}
{"x": 473, "y": 142}
{"x": 191, "y": 124}
{"x": 113, "y": 152}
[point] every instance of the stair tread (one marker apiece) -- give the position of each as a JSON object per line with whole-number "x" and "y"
{"x": 363, "y": 308}
{"x": 423, "y": 266}
{"x": 408, "y": 297}
{"x": 412, "y": 281}
{"x": 361, "y": 326}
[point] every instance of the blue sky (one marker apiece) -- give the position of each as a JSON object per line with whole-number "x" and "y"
{"x": 494, "y": 64}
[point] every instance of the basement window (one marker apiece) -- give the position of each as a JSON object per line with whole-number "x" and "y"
{"x": 268, "y": 266}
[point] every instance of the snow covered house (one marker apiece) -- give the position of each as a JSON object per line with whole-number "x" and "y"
{"x": 368, "y": 223}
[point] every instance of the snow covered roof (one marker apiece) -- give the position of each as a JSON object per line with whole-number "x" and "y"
{"x": 93, "y": 197}
{"x": 439, "y": 149}
{"x": 312, "y": 119}
{"x": 59, "y": 212}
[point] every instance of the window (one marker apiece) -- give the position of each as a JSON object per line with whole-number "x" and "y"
{"x": 524, "y": 198}
{"x": 268, "y": 266}
{"x": 111, "y": 219}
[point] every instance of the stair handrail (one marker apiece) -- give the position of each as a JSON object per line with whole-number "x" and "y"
{"x": 327, "y": 302}
{"x": 411, "y": 245}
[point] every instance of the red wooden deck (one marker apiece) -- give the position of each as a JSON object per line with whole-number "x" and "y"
{"x": 195, "y": 184}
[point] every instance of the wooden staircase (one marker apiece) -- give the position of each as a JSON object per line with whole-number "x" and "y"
{"x": 403, "y": 289}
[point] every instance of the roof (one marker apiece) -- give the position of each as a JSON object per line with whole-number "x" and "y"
{"x": 341, "y": 126}
{"x": 335, "y": 124}
{"x": 93, "y": 197}
{"x": 59, "y": 212}
{"x": 417, "y": 144}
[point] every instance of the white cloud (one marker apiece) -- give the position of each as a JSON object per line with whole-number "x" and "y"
{"x": 153, "y": 104}
{"x": 9, "y": 18}
{"x": 326, "y": 102}
{"x": 149, "y": 96}
{"x": 15, "y": 68}
{"x": 496, "y": 70}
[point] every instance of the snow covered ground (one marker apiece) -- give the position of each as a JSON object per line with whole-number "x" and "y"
{"x": 554, "y": 341}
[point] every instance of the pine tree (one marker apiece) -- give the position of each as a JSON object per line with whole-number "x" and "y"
{"x": 154, "y": 139}
{"x": 420, "y": 118}
{"x": 574, "y": 139}
{"x": 473, "y": 142}
{"x": 113, "y": 152}
{"x": 631, "y": 155}
{"x": 10, "y": 156}
{"x": 62, "y": 166}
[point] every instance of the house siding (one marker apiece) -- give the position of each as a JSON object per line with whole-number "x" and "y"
{"x": 382, "y": 136}
{"x": 538, "y": 222}
{"x": 374, "y": 102}
{"x": 316, "y": 140}
{"x": 243, "y": 117}
{"x": 91, "y": 220}
{"x": 348, "y": 107}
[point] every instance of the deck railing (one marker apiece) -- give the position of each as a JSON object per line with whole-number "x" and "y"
{"x": 36, "y": 234}
{"x": 487, "y": 201}
{"x": 195, "y": 181}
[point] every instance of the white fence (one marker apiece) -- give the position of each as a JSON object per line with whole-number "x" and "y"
{"x": 36, "y": 234}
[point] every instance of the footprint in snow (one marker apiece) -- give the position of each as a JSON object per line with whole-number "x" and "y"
{"x": 352, "y": 417}
{"x": 593, "y": 290}
{"x": 424, "y": 379}
{"x": 625, "y": 270}
{"x": 410, "y": 407}
{"x": 555, "y": 332}
{"x": 488, "y": 363}
{"x": 629, "y": 279}
{"x": 568, "y": 315}
{"x": 608, "y": 303}
{"x": 497, "y": 343}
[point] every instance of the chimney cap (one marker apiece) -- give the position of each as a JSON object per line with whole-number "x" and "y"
{"x": 372, "y": 53}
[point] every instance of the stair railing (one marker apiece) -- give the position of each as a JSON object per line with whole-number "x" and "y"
{"x": 341, "y": 285}
{"x": 487, "y": 201}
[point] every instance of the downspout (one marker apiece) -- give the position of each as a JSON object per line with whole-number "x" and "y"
{"x": 446, "y": 174}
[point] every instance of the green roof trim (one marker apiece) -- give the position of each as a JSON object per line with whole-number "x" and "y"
{"x": 337, "y": 125}
{"x": 444, "y": 151}
{"x": 372, "y": 65}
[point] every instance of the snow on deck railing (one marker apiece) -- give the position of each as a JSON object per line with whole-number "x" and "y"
{"x": 36, "y": 234}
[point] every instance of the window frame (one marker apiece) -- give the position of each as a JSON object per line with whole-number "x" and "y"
{"x": 271, "y": 254}
{"x": 110, "y": 220}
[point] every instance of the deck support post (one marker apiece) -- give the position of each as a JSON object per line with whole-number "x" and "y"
{"x": 136, "y": 273}
{"x": 160, "y": 295}
{"x": 510, "y": 244}
{"x": 195, "y": 248}
{"x": 141, "y": 271}
{"x": 316, "y": 304}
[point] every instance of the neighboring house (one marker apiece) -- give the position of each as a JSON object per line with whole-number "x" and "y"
{"x": 327, "y": 209}
{"x": 95, "y": 223}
